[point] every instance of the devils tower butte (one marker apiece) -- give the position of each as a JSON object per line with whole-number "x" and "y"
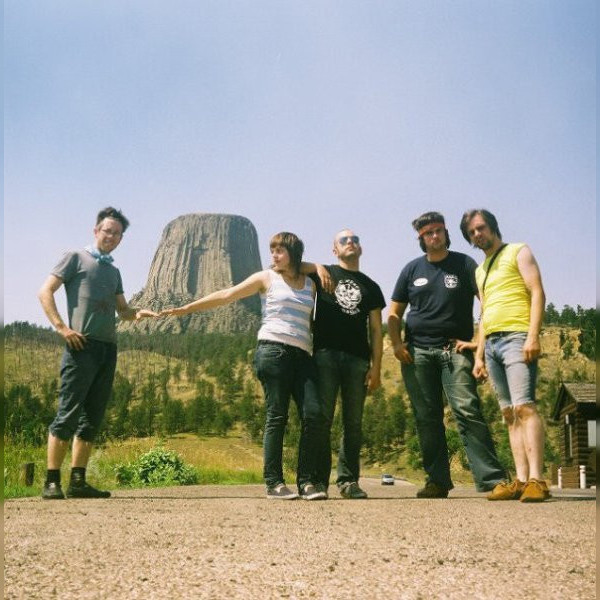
{"x": 199, "y": 254}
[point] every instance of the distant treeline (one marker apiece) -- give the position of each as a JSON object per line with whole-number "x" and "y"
{"x": 208, "y": 347}
{"x": 584, "y": 319}
{"x": 223, "y": 395}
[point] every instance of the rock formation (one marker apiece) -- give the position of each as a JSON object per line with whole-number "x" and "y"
{"x": 199, "y": 254}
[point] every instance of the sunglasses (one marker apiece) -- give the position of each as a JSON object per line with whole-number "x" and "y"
{"x": 346, "y": 239}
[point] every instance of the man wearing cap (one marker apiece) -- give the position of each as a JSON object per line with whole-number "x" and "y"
{"x": 436, "y": 356}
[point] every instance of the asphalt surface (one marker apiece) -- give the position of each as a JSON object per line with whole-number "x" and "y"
{"x": 231, "y": 542}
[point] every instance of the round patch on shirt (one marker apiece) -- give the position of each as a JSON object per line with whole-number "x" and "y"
{"x": 420, "y": 282}
{"x": 450, "y": 280}
{"x": 348, "y": 296}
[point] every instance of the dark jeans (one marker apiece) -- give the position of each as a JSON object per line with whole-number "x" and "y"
{"x": 286, "y": 371}
{"x": 86, "y": 382}
{"x": 432, "y": 372}
{"x": 340, "y": 370}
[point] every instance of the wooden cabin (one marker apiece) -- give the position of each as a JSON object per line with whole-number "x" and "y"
{"x": 575, "y": 412}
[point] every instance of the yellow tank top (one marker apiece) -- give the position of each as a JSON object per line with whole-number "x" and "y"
{"x": 506, "y": 300}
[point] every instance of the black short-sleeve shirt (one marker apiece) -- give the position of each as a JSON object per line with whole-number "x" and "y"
{"x": 341, "y": 318}
{"x": 440, "y": 295}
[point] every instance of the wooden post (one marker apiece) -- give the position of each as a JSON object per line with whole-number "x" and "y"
{"x": 27, "y": 472}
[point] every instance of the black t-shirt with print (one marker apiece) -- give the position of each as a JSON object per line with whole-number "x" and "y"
{"x": 440, "y": 295}
{"x": 341, "y": 318}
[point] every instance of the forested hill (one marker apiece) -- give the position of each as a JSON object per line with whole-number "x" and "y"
{"x": 203, "y": 383}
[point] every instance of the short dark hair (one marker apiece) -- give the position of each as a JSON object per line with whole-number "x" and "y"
{"x": 293, "y": 244}
{"x": 486, "y": 215}
{"x": 427, "y": 219}
{"x": 112, "y": 213}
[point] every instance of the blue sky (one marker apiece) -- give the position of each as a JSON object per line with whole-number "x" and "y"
{"x": 304, "y": 116}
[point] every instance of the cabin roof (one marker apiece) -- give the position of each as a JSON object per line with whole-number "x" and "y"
{"x": 581, "y": 393}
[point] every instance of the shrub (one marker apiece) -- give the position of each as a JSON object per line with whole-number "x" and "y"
{"x": 157, "y": 467}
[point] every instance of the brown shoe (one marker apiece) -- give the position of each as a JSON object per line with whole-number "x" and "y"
{"x": 507, "y": 490}
{"x": 535, "y": 490}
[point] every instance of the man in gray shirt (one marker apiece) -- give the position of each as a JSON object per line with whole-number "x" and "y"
{"x": 94, "y": 293}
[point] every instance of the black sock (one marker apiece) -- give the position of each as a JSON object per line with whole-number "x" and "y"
{"x": 78, "y": 474}
{"x": 53, "y": 476}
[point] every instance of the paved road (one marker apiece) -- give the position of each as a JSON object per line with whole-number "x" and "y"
{"x": 230, "y": 542}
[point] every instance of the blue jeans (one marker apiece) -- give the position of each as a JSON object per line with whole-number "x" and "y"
{"x": 337, "y": 369}
{"x": 286, "y": 371}
{"x": 435, "y": 371}
{"x": 86, "y": 383}
{"x": 512, "y": 378}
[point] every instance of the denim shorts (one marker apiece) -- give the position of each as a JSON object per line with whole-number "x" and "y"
{"x": 512, "y": 378}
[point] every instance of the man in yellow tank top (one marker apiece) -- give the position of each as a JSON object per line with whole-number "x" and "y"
{"x": 513, "y": 300}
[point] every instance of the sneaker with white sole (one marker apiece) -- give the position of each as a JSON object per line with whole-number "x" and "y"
{"x": 281, "y": 492}
{"x": 312, "y": 492}
{"x": 352, "y": 491}
{"x": 321, "y": 487}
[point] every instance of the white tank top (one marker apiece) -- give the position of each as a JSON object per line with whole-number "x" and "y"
{"x": 286, "y": 313}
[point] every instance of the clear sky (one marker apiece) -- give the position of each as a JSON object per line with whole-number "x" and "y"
{"x": 308, "y": 116}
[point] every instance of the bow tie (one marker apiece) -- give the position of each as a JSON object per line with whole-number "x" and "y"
{"x": 101, "y": 258}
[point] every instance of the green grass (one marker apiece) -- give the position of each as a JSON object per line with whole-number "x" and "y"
{"x": 225, "y": 461}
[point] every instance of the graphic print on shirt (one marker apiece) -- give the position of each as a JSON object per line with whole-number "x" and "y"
{"x": 450, "y": 280}
{"x": 348, "y": 296}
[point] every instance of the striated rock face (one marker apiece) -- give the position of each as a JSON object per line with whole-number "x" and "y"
{"x": 199, "y": 254}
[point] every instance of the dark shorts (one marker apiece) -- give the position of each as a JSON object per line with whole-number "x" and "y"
{"x": 86, "y": 383}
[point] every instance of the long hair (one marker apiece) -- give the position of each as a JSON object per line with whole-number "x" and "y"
{"x": 293, "y": 244}
{"x": 427, "y": 219}
{"x": 486, "y": 215}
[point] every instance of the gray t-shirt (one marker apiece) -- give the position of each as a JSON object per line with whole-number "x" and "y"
{"x": 92, "y": 288}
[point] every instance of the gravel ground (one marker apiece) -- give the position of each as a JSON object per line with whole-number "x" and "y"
{"x": 230, "y": 542}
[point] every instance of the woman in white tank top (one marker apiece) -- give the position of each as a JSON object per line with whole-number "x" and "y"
{"x": 283, "y": 360}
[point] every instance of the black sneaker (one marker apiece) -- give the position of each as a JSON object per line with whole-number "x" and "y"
{"x": 311, "y": 492}
{"x": 321, "y": 487}
{"x": 52, "y": 491}
{"x": 432, "y": 490}
{"x": 281, "y": 492}
{"x": 352, "y": 491}
{"x": 85, "y": 490}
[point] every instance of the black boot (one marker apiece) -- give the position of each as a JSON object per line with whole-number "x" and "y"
{"x": 79, "y": 488}
{"x": 52, "y": 491}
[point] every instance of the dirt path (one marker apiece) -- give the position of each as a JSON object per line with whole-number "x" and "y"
{"x": 230, "y": 542}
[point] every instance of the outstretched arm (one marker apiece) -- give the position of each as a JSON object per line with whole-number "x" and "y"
{"x": 129, "y": 313}
{"x": 254, "y": 284}
{"x": 532, "y": 277}
{"x": 74, "y": 339}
